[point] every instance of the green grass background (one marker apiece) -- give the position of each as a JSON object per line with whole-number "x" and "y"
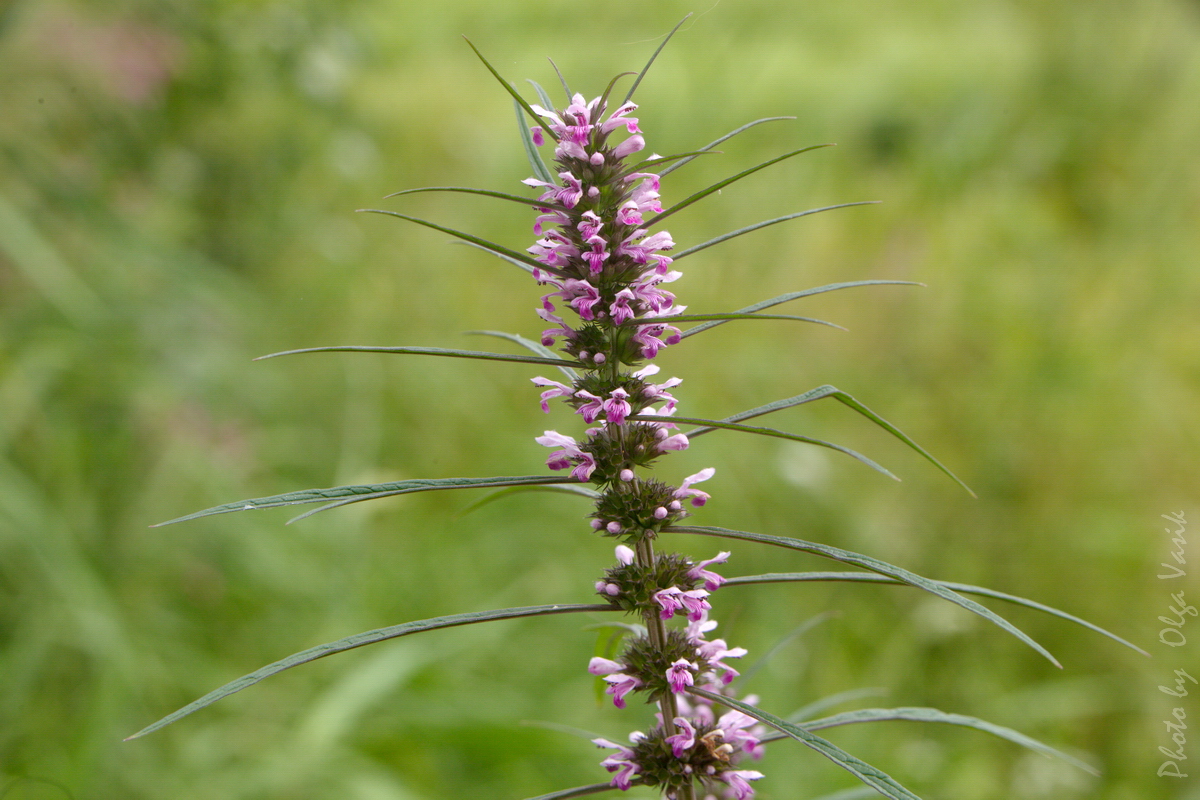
{"x": 177, "y": 182}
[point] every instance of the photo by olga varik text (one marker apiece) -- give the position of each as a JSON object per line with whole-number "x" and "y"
{"x": 1173, "y": 636}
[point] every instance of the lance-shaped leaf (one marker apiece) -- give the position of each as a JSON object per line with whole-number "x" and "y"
{"x": 874, "y": 565}
{"x": 516, "y": 198}
{"x": 508, "y": 87}
{"x": 874, "y": 777}
{"x": 794, "y": 437}
{"x": 355, "y": 494}
{"x": 916, "y": 714}
{"x": 429, "y": 351}
{"x": 700, "y": 195}
{"x": 783, "y": 298}
{"x": 580, "y": 791}
{"x": 515, "y": 262}
{"x": 716, "y": 142}
{"x": 578, "y": 491}
{"x": 727, "y": 316}
{"x": 536, "y": 163}
{"x": 749, "y": 228}
{"x": 817, "y": 706}
{"x": 361, "y": 639}
{"x": 529, "y": 344}
{"x": 543, "y": 96}
{"x": 466, "y": 237}
{"x": 961, "y": 588}
{"x": 566, "y": 89}
{"x": 653, "y": 56}
{"x": 832, "y": 391}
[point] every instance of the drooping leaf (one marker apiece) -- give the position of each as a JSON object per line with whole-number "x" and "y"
{"x": 653, "y": 56}
{"x": 961, "y": 588}
{"x": 748, "y": 229}
{"x": 580, "y": 791}
{"x": 529, "y": 344}
{"x": 700, "y": 195}
{"x": 429, "y": 351}
{"x": 783, "y": 298}
{"x": 934, "y": 715}
{"x": 712, "y": 423}
{"x": 874, "y": 565}
{"x": 467, "y": 237}
{"x": 874, "y": 777}
{"x": 726, "y": 316}
{"x": 817, "y": 706}
{"x": 362, "y": 639}
{"x": 353, "y": 494}
{"x": 536, "y": 163}
{"x": 716, "y": 142}
{"x": 508, "y": 87}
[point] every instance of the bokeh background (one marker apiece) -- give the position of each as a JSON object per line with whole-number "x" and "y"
{"x": 177, "y": 188}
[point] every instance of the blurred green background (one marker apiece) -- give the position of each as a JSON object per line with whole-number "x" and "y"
{"x": 177, "y": 186}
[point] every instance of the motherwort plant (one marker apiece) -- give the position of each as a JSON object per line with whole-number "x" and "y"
{"x": 604, "y": 263}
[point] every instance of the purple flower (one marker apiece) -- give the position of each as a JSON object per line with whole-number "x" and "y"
{"x": 585, "y": 463}
{"x": 738, "y": 781}
{"x": 673, "y": 600}
{"x": 625, "y": 554}
{"x": 684, "y": 740}
{"x": 699, "y": 498}
{"x": 680, "y": 675}
{"x": 712, "y": 581}
{"x": 557, "y": 390}
{"x": 622, "y": 762}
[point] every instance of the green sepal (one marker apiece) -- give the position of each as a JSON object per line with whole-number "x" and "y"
{"x": 874, "y": 565}
{"x": 832, "y": 391}
{"x": 354, "y": 494}
{"x": 961, "y": 588}
{"x": 515, "y": 94}
{"x": 429, "y": 351}
{"x": 874, "y": 777}
{"x": 700, "y": 195}
{"x": 716, "y": 142}
{"x": 531, "y": 150}
{"x": 466, "y": 237}
{"x": 516, "y": 198}
{"x": 783, "y": 298}
{"x": 731, "y": 315}
{"x": 750, "y": 228}
{"x": 580, "y": 791}
{"x": 529, "y": 344}
{"x": 361, "y": 639}
{"x": 795, "y": 437}
{"x": 653, "y": 56}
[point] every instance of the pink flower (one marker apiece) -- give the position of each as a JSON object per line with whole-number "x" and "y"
{"x": 712, "y": 581}
{"x": 685, "y": 739}
{"x": 557, "y": 390}
{"x": 680, "y": 675}
{"x": 699, "y": 498}
{"x": 673, "y": 600}
{"x": 738, "y": 781}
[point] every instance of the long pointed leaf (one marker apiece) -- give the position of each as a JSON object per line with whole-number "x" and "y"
{"x": 547, "y": 103}
{"x": 365, "y": 492}
{"x": 712, "y": 423}
{"x": 783, "y": 298}
{"x": 716, "y": 142}
{"x": 580, "y": 791}
{"x": 531, "y": 150}
{"x": 529, "y": 344}
{"x": 727, "y": 316}
{"x": 961, "y": 588}
{"x": 874, "y": 565}
{"x": 467, "y": 237}
{"x": 579, "y": 491}
{"x": 750, "y": 228}
{"x": 361, "y": 639}
{"x": 657, "y": 50}
{"x": 801, "y": 629}
{"x": 917, "y": 714}
{"x": 700, "y": 195}
{"x": 428, "y": 351}
{"x": 802, "y": 714}
{"x": 876, "y": 778}
{"x": 561, "y": 80}
{"x": 516, "y": 198}
{"x": 508, "y": 87}
{"x": 515, "y": 262}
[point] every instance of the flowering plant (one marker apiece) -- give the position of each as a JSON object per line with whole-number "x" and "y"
{"x": 603, "y": 255}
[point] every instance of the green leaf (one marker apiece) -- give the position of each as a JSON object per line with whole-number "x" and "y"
{"x": 561, "y": 80}
{"x": 832, "y": 391}
{"x": 466, "y": 237}
{"x": 727, "y": 316}
{"x": 961, "y": 588}
{"x": 491, "y": 498}
{"x": 657, "y": 50}
{"x": 515, "y": 94}
{"x": 547, "y": 103}
{"x": 529, "y": 344}
{"x": 874, "y": 565}
{"x": 836, "y": 699}
{"x": 354, "y": 494}
{"x": 716, "y": 142}
{"x": 748, "y": 229}
{"x": 361, "y": 639}
{"x": 429, "y": 351}
{"x": 516, "y": 198}
{"x": 700, "y": 195}
{"x": 513, "y": 261}
{"x": 783, "y": 298}
{"x": 934, "y": 715}
{"x": 799, "y": 630}
{"x": 580, "y": 791}
{"x": 877, "y": 779}
{"x": 712, "y": 423}
{"x": 531, "y": 150}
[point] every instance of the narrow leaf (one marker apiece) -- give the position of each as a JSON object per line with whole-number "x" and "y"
{"x": 716, "y": 142}
{"x": 783, "y": 298}
{"x": 712, "y": 423}
{"x": 874, "y": 565}
{"x": 750, "y": 228}
{"x": 491, "y": 498}
{"x": 836, "y": 699}
{"x": 547, "y": 103}
{"x": 914, "y": 714}
{"x": 580, "y": 791}
{"x": 429, "y": 351}
{"x": 516, "y": 198}
{"x": 361, "y": 639}
{"x": 799, "y": 630}
{"x": 489, "y": 251}
{"x": 529, "y": 344}
{"x": 657, "y": 50}
{"x": 961, "y": 588}
{"x": 700, "y": 195}
{"x": 365, "y": 492}
{"x": 732, "y": 315}
{"x": 515, "y": 94}
{"x": 562, "y": 80}
{"x": 531, "y": 150}
{"x": 466, "y": 237}
{"x": 876, "y": 778}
